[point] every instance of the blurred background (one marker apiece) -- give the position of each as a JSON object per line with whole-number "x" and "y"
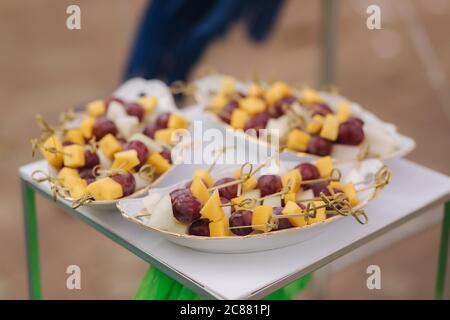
{"x": 399, "y": 72}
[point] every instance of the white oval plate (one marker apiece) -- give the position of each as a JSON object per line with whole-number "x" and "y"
{"x": 132, "y": 90}
{"x": 373, "y": 127}
{"x": 253, "y": 242}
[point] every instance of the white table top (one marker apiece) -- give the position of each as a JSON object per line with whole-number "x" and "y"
{"x": 254, "y": 275}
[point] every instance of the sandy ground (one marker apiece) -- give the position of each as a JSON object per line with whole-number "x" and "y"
{"x": 46, "y": 68}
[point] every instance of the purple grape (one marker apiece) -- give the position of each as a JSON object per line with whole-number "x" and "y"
{"x": 227, "y": 110}
{"x": 279, "y": 107}
{"x": 320, "y": 187}
{"x": 241, "y": 218}
{"x": 162, "y": 120}
{"x": 115, "y": 99}
{"x": 135, "y": 109}
{"x": 90, "y": 159}
{"x": 308, "y": 171}
{"x": 199, "y": 227}
{"x": 102, "y": 127}
{"x": 86, "y": 174}
{"x": 351, "y": 133}
{"x": 283, "y": 223}
{"x": 229, "y": 192}
{"x": 166, "y": 154}
{"x": 356, "y": 119}
{"x": 150, "y": 130}
{"x": 127, "y": 182}
{"x": 258, "y": 122}
{"x": 178, "y": 192}
{"x": 319, "y": 146}
{"x": 140, "y": 148}
{"x": 269, "y": 184}
{"x": 322, "y": 109}
{"x": 186, "y": 208}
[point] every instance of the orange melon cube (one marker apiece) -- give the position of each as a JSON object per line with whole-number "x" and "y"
{"x": 261, "y": 217}
{"x": 212, "y": 208}
{"x": 105, "y": 189}
{"x": 292, "y": 208}
{"x": 205, "y": 176}
{"x": 239, "y": 118}
{"x": 109, "y": 145}
{"x": 74, "y": 156}
{"x": 330, "y": 128}
{"x": 160, "y": 163}
{"x": 293, "y": 179}
{"x": 96, "y": 108}
{"x": 86, "y": 127}
{"x": 325, "y": 166}
{"x": 297, "y": 140}
{"x": 125, "y": 160}
{"x": 199, "y": 190}
{"x": 52, "y": 150}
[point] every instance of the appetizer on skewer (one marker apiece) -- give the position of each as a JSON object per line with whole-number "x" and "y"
{"x": 247, "y": 202}
{"x": 305, "y": 121}
{"x": 104, "y": 151}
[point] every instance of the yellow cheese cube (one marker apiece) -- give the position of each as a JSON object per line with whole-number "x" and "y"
{"x": 65, "y": 173}
{"x": 297, "y": 140}
{"x": 218, "y": 102}
{"x": 52, "y": 150}
{"x": 276, "y": 92}
{"x": 199, "y": 190}
{"x": 293, "y": 179}
{"x": 344, "y": 111}
{"x": 109, "y": 145}
{"x": 160, "y": 163}
{"x": 236, "y": 201}
{"x": 252, "y": 105}
{"x": 292, "y": 208}
{"x": 325, "y": 166}
{"x": 205, "y": 176}
{"x": 248, "y": 184}
{"x": 219, "y": 228}
{"x": 255, "y": 91}
{"x": 315, "y": 124}
{"x": 350, "y": 192}
{"x": 105, "y": 189}
{"x": 96, "y": 108}
{"x": 165, "y": 136}
{"x": 77, "y": 187}
{"x": 310, "y": 96}
{"x": 330, "y": 128}
{"x": 289, "y": 197}
{"x": 212, "y": 208}
{"x": 125, "y": 160}
{"x": 227, "y": 86}
{"x": 148, "y": 103}
{"x": 74, "y": 136}
{"x": 239, "y": 118}
{"x": 74, "y": 156}
{"x": 86, "y": 126}
{"x": 261, "y": 217}
{"x": 335, "y": 185}
{"x": 177, "y": 121}
{"x": 321, "y": 214}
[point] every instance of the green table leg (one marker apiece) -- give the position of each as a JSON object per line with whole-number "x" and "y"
{"x": 443, "y": 263}
{"x": 32, "y": 245}
{"x": 158, "y": 286}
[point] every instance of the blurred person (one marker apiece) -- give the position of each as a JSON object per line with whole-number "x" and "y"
{"x": 173, "y": 34}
